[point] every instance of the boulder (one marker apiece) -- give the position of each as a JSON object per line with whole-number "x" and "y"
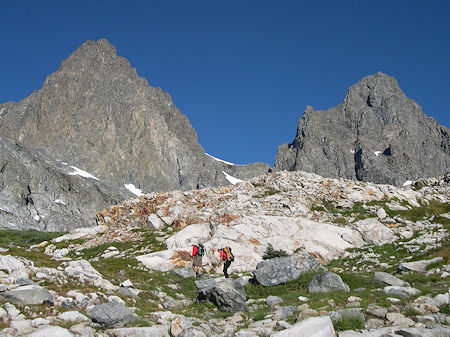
{"x": 111, "y": 314}
{"x": 284, "y": 269}
{"x": 72, "y": 316}
{"x": 82, "y": 270}
{"x": 282, "y": 313}
{"x": 51, "y": 331}
{"x": 418, "y": 266}
{"x": 272, "y": 301}
{"x": 389, "y": 279}
{"x": 184, "y": 272}
{"x": 226, "y": 294}
{"x": 327, "y": 282}
{"x": 401, "y": 291}
{"x": 310, "y": 327}
{"x": 374, "y": 232}
{"x": 154, "y": 331}
{"x": 28, "y": 295}
{"x": 423, "y": 332}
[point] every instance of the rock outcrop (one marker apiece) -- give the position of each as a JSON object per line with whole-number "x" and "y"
{"x": 98, "y": 116}
{"x": 376, "y": 134}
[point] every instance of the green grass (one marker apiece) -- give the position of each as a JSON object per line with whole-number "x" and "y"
{"x": 348, "y": 323}
{"x": 25, "y": 238}
{"x": 271, "y": 252}
{"x": 267, "y": 193}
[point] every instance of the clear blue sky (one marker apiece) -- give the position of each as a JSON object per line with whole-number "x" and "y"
{"x": 242, "y": 71}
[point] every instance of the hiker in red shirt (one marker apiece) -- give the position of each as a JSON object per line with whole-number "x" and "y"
{"x": 227, "y": 256}
{"x": 196, "y": 257}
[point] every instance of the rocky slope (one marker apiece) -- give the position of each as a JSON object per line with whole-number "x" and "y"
{"x": 376, "y": 134}
{"x": 385, "y": 250}
{"x": 95, "y": 113}
{"x": 39, "y": 193}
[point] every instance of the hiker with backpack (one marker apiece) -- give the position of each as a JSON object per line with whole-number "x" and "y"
{"x": 227, "y": 257}
{"x": 197, "y": 253}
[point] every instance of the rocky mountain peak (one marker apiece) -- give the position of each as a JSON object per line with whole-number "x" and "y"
{"x": 96, "y": 114}
{"x": 376, "y": 134}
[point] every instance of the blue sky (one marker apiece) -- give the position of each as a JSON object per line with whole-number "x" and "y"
{"x": 242, "y": 71}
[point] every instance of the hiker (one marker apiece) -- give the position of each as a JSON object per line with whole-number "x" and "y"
{"x": 227, "y": 256}
{"x": 196, "y": 257}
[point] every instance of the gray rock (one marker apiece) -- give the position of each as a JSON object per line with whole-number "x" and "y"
{"x": 284, "y": 312}
{"x": 374, "y": 232}
{"x": 28, "y": 295}
{"x": 50, "y": 331}
{"x": 273, "y": 300}
{"x": 418, "y": 266}
{"x": 327, "y": 282}
{"x": 389, "y": 279}
{"x": 154, "y": 331}
{"x": 285, "y": 269}
{"x": 124, "y": 291}
{"x": 226, "y": 294}
{"x": 401, "y": 291}
{"x": 243, "y": 281}
{"x": 184, "y": 272}
{"x": 314, "y": 326}
{"x": 376, "y": 134}
{"x": 111, "y": 314}
{"x": 440, "y": 331}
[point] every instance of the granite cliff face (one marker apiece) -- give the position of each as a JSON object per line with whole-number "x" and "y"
{"x": 96, "y": 114}
{"x": 376, "y": 134}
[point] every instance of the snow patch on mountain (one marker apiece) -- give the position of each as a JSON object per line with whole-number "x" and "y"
{"x": 82, "y": 173}
{"x": 133, "y": 189}
{"x": 232, "y": 179}
{"x": 222, "y": 161}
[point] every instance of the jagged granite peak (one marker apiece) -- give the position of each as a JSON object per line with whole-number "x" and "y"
{"x": 376, "y": 134}
{"x": 97, "y": 114}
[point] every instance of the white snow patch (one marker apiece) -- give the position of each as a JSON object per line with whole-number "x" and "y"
{"x": 59, "y": 201}
{"x": 408, "y": 182}
{"x": 352, "y": 151}
{"x": 82, "y": 173}
{"x": 64, "y": 163}
{"x": 232, "y": 179}
{"x": 223, "y": 161}
{"x": 133, "y": 189}
{"x": 36, "y": 217}
{"x": 377, "y": 153}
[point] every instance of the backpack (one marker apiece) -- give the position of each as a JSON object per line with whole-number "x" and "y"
{"x": 229, "y": 254}
{"x": 200, "y": 250}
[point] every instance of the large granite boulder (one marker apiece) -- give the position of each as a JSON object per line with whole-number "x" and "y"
{"x": 226, "y": 294}
{"x": 285, "y": 269}
{"x": 310, "y": 327}
{"x": 374, "y": 232}
{"x": 376, "y": 134}
{"x": 28, "y": 295}
{"x": 111, "y": 315}
{"x": 327, "y": 282}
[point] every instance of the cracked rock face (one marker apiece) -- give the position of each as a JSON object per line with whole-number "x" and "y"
{"x": 376, "y": 134}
